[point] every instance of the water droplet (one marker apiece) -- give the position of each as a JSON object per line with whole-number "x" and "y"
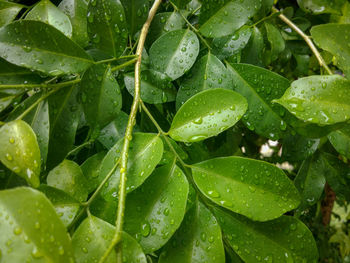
{"x": 145, "y": 229}
{"x": 213, "y": 193}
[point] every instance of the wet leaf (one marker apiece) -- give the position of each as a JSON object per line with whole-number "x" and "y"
{"x": 252, "y": 53}
{"x": 8, "y": 12}
{"x": 207, "y": 114}
{"x": 136, "y": 13}
{"x": 320, "y": 6}
{"x": 297, "y": 148}
{"x": 340, "y": 139}
{"x": 90, "y": 169}
{"x": 276, "y": 41}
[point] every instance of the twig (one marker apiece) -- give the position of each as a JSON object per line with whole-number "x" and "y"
{"x": 41, "y": 85}
{"x": 130, "y": 62}
{"x": 306, "y": 38}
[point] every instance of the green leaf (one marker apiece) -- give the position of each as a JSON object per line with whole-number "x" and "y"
{"x": 105, "y": 210}
{"x": 68, "y": 177}
{"x": 66, "y": 206}
{"x": 136, "y": 13}
{"x": 145, "y": 152}
{"x": 107, "y": 27}
{"x": 94, "y": 235}
{"x": 100, "y": 94}
{"x": 181, "y": 3}
{"x": 276, "y": 41}
{"x": 297, "y": 148}
{"x": 207, "y": 73}
{"x": 334, "y": 39}
{"x": 30, "y": 228}
{"x": 90, "y": 169}
{"x": 320, "y": 6}
{"x": 174, "y": 53}
{"x": 340, "y": 140}
{"x": 76, "y": 10}
{"x": 155, "y": 210}
{"x": 5, "y": 102}
{"x": 252, "y": 53}
{"x": 48, "y": 13}
{"x": 152, "y": 91}
{"x": 260, "y": 86}
{"x": 323, "y": 100}
{"x": 64, "y": 112}
{"x": 223, "y": 18}
{"x": 310, "y": 180}
{"x": 38, "y": 46}
{"x": 207, "y": 114}
{"x": 256, "y": 189}
{"x": 197, "y": 240}
{"x": 285, "y": 239}
{"x": 230, "y": 45}
{"x": 8, "y": 12}
{"x": 19, "y": 151}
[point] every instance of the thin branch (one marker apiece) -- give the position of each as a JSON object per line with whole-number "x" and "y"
{"x": 41, "y": 85}
{"x": 306, "y": 38}
{"x": 78, "y": 148}
{"x": 130, "y": 62}
{"x": 128, "y": 133}
{"x": 114, "y": 59}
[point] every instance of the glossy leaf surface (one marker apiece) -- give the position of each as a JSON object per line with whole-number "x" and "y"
{"x": 136, "y": 12}
{"x": 154, "y": 213}
{"x": 174, "y": 53}
{"x": 207, "y": 114}
{"x": 8, "y": 12}
{"x": 223, "y": 18}
{"x": 197, "y": 240}
{"x": 90, "y": 169}
{"x": 285, "y": 239}
{"x": 48, "y": 13}
{"x": 207, "y": 73}
{"x": 30, "y": 228}
{"x": 323, "y": 100}
{"x": 253, "y": 51}
{"x": 146, "y": 151}
{"x": 320, "y": 6}
{"x": 256, "y": 189}
{"x": 340, "y": 140}
{"x": 19, "y": 151}
{"x": 38, "y": 46}
{"x": 68, "y": 177}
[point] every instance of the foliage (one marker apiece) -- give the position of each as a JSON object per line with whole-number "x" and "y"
{"x": 174, "y": 131}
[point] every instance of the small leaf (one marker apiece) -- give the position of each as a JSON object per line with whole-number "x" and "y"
{"x": 152, "y": 91}
{"x": 107, "y": 27}
{"x": 174, "y": 53}
{"x": 90, "y": 169}
{"x": 285, "y": 239}
{"x": 218, "y": 19}
{"x": 8, "y": 12}
{"x": 19, "y": 151}
{"x": 260, "y": 86}
{"x": 38, "y": 46}
{"x": 30, "y": 225}
{"x": 100, "y": 94}
{"x": 76, "y": 10}
{"x": 94, "y": 235}
{"x": 181, "y": 3}
{"x": 207, "y": 73}
{"x": 297, "y": 148}
{"x": 252, "y": 53}
{"x": 198, "y": 232}
{"x": 256, "y": 189}
{"x": 156, "y": 209}
{"x": 136, "y": 13}
{"x": 48, "y": 13}
{"x": 66, "y": 206}
{"x": 276, "y": 41}
{"x": 323, "y": 100}
{"x": 340, "y": 140}
{"x": 68, "y": 177}
{"x": 207, "y": 114}
{"x": 334, "y": 39}
{"x": 145, "y": 152}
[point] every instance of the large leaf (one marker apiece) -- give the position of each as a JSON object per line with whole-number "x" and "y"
{"x": 38, "y": 46}
{"x": 105, "y": 210}
{"x": 174, "y": 53}
{"x": 8, "y": 12}
{"x": 107, "y": 26}
{"x": 48, "y": 13}
{"x": 256, "y": 189}
{"x": 197, "y": 240}
{"x": 136, "y": 13}
{"x": 145, "y": 152}
{"x": 223, "y": 18}
{"x": 156, "y": 209}
{"x": 340, "y": 140}
{"x": 19, "y": 151}
{"x": 68, "y": 177}
{"x": 207, "y": 114}
{"x": 92, "y": 238}
{"x": 334, "y": 39}
{"x": 64, "y": 113}
{"x": 100, "y": 94}
{"x": 260, "y": 86}
{"x": 323, "y": 100}
{"x": 90, "y": 169}
{"x": 207, "y": 73}
{"x": 285, "y": 239}
{"x": 76, "y": 10}
{"x": 30, "y": 229}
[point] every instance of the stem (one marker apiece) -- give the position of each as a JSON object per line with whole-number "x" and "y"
{"x": 41, "y": 85}
{"x": 306, "y": 38}
{"x": 132, "y": 61}
{"x": 76, "y": 149}
{"x": 114, "y": 59}
{"x": 128, "y": 133}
